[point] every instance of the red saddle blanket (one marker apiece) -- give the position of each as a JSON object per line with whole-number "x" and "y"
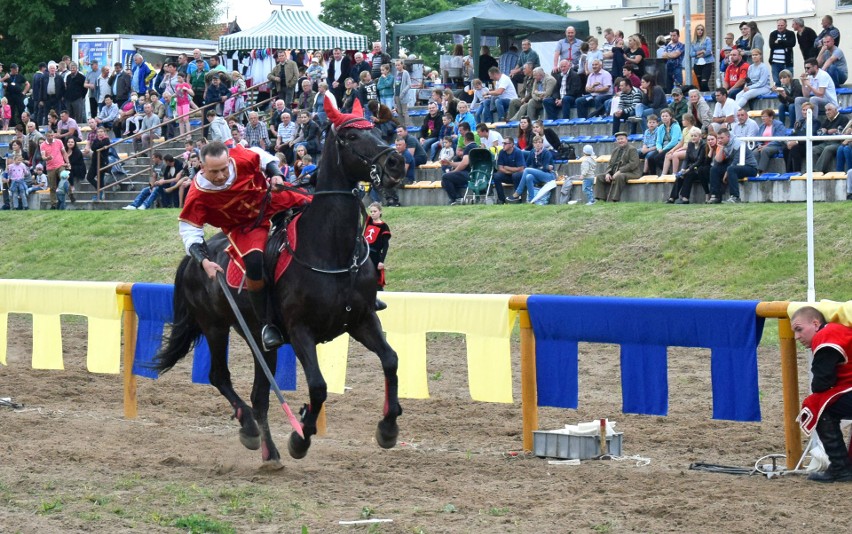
{"x": 236, "y": 267}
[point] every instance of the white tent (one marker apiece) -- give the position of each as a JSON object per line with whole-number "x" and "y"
{"x": 293, "y": 29}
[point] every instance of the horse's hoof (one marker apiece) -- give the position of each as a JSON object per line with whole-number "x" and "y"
{"x": 251, "y": 443}
{"x": 271, "y": 465}
{"x": 386, "y": 434}
{"x": 297, "y": 446}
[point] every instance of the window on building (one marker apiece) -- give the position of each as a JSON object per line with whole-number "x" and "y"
{"x": 766, "y": 8}
{"x": 844, "y": 3}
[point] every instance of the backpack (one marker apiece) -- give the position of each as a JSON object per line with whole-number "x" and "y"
{"x": 567, "y": 152}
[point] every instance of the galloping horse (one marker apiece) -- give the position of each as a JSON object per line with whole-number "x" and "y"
{"x": 329, "y": 288}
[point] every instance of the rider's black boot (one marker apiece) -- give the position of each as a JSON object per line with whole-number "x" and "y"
{"x": 270, "y": 336}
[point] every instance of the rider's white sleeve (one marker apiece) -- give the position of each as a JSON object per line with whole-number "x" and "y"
{"x": 265, "y": 157}
{"x": 190, "y": 234}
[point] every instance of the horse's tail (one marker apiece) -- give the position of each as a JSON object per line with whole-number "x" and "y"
{"x": 185, "y": 331}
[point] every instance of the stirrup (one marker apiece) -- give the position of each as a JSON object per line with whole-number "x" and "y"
{"x": 270, "y": 337}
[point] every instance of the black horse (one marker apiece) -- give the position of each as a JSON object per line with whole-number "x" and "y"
{"x": 328, "y": 289}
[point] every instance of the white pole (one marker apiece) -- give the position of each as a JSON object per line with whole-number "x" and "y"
{"x": 809, "y": 195}
{"x": 383, "y": 25}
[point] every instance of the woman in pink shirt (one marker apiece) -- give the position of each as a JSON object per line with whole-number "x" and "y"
{"x": 184, "y": 94}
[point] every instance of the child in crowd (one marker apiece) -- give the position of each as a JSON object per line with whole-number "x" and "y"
{"x": 649, "y": 139}
{"x": 384, "y": 85}
{"x": 447, "y": 130}
{"x": 188, "y": 150}
{"x": 39, "y": 180}
{"x": 5, "y": 112}
{"x": 183, "y": 95}
{"x": 18, "y": 173}
{"x": 480, "y": 99}
{"x": 283, "y": 167}
{"x": 447, "y": 152}
{"x": 315, "y": 72}
{"x": 234, "y": 123}
{"x": 62, "y": 189}
{"x": 588, "y": 166}
{"x": 308, "y": 172}
{"x": 377, "y": 234}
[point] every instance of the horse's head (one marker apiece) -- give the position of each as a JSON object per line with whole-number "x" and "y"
{"x": 361, "y": 154}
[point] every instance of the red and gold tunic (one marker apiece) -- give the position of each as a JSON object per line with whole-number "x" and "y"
{"x": 235, "y": 209}
{"x": 838, "y": 337}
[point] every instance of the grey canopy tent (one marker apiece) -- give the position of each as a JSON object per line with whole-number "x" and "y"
{"x": 293, "y": 29}
{"x": 490, "y": 17}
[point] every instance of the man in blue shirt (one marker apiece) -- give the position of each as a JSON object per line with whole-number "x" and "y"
{"x": 674, "y": 61}
{"x": 510, "y": 167}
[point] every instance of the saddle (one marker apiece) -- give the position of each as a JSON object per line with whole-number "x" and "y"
{"x": 276, "y": 258}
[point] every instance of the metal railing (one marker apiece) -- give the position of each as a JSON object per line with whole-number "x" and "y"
{"x": 96, "y": 156}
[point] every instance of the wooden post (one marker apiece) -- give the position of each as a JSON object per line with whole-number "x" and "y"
{"x": 789, "y": 378}
{"x": 790, "y": 385}
{"x": 129, "y": 323}
{"x": 321, "y": 422}
{"x": 529, "y": 398}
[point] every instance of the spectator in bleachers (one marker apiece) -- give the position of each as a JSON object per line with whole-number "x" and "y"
{"x": 449, "y": 103}
{"x": 218, "y": 129}
{"x": 613, "y": 51}
{"x": 832, "y": 60}
{"x": 383, "y": 119}
{"x": 566, "y": 90}
{"x": 794, "y": 151}
{"x": 770, "y": 127}
{"x": 634, "y": 56}
{"x": 696, "y": 167}
{"x": 501, "y": 96}
{"x": 598, "y": 92}
{"x": 358, "y": 67}
{"x": 727, "y": 154}
{"x": 148, "y": 195}
{"x": 623, "y": 165}
{"x": 150, "y": 128}
{"x": 447, "y": 154}
{"x": 668, "y": 136}
{"x": 308, "y": 133}
{"x": 674, "y": 61}
{"x": 628, "y": 99}
{"x": 787, "y": 92}
{"x": 412, "y": 145}
{"x": 349, "y": 95}
{"x": 307, "y": 96}
{"x": 727, "y": 46}
{"x": 490, "y": 139}
{"x": 628, "y": 74}
{"x": 781, "y": 43}
{"x": 701, "y": 52}
{"x": 480, "y": 99}
{"x": 55, "y": 159}
{"x": 828, "y": 29}
{"x": 524, "y": 135}
{"x": 653, "y": 97}
{"x": 142, "y": 74}
{"x": 518, "y": 105}
{"x": 538, "y": 171}
{"x": 384, "y": 86}
{"x": 36, "y": 96}
{"x": 410, "y": 165}
{"x": 743, "y": 126}
{"x": 649, "y": 143}
{"x": 67, "y": 126}
{"x": 198, "y": 81}
{"x": 108, "y": 113}
{"x": 464, "y": 115}
{"x": 817, "y": 87}
{"x": 806, "y": 37}
{"x": 454, "y": 182}
{"x": 95, "y": 175}
{"x": 379, "y": 57}
{"x": 510, "y": 168}
{"x": 256, "y": 134}
{"x": 700, "y": 110}
{"x": 318, "y": 105}
{"x": 32, "y": 141}
{"x": 401, "y": 92}
{"x": 542, "y": 87}
{"x": 592, "y": 54}
{"x": 430, "y": 128}
{"x": 284, "y": 135}
{"x": 758, "y": 80}
{"x": 568, "y": 49}
{"x": 756, "y": 38}
{"x": 78, "y": 165}
{"x": 16, "y": 86}
{"x": 736, "y": 74}
{"x": 527, "y": 55}
{"x": 679, "y": 105}
{"x": 216, "y": 93}
{"x": 75, "y": 93}
{"x": 506, "y": 62}
{"x": 674, "y": 156}
{"x": 367, "y": 92}
{"x": 824, "y": 152}
{"x": 725, "y": 110}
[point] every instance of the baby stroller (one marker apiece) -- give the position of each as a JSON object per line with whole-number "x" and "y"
{"x": 481, "y": 164}
{"x": 116, "y": 172}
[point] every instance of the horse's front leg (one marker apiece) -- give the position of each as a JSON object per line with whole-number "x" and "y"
{"x": 306, "y": 350}
{"x": 260, "y": 404}
{"x": 369, "y": 333}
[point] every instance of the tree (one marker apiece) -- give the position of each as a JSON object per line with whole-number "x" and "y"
{"x": 39, "y": 30}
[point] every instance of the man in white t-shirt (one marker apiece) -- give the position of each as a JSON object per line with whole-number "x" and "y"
{"x": 501, "y": 96}
{"x": 817, "y": 87}
{"x": 490, "y": 139}
{"x": 724, "y": 111}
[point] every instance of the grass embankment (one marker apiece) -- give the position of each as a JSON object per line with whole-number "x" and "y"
{"x": 645, "y": 250}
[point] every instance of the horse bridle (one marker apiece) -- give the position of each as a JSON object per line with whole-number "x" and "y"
{"x": 377, "y": 171}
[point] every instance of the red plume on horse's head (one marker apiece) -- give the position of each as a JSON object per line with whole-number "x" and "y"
{"x": 352, "y": 120}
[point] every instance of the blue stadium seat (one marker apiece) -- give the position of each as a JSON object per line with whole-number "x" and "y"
{"x": 413, "y": 129}
{"x": 563, "y": 122}
{"x": 788, "y": 175}
{"x": 513, "y": 124}
{"x": 844, "y": 91}
{"x": 418, "y": 113}
{"x": 768, "y": 96}
{"x": 845, "y": 110}
{"x": 549, "y": 123}
{"x": 765, "y": 177}
{"x": 634, "y": 137}
{"x": 568, "y": 139}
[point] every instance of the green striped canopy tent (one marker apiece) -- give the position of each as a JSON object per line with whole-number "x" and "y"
{"x": 293, "y": 29}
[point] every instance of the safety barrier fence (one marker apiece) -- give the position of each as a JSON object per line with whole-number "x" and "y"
{"x": 550, "y": 328}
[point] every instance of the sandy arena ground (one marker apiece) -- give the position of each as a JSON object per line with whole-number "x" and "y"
{"x": 72, "y": 463}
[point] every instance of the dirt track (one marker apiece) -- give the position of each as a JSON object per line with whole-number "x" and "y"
{"x": 71, "y": 463}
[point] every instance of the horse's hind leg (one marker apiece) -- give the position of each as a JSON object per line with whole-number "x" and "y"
{"x": 260, "y": 404}
{"x": 220, "y": 378}
{"x": 369, "y": 334}
{"x": 306, "y": 350}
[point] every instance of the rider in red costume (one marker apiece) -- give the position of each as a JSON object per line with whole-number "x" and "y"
{"x": 228, "y": 193}
{"x": 831, "y": 399}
